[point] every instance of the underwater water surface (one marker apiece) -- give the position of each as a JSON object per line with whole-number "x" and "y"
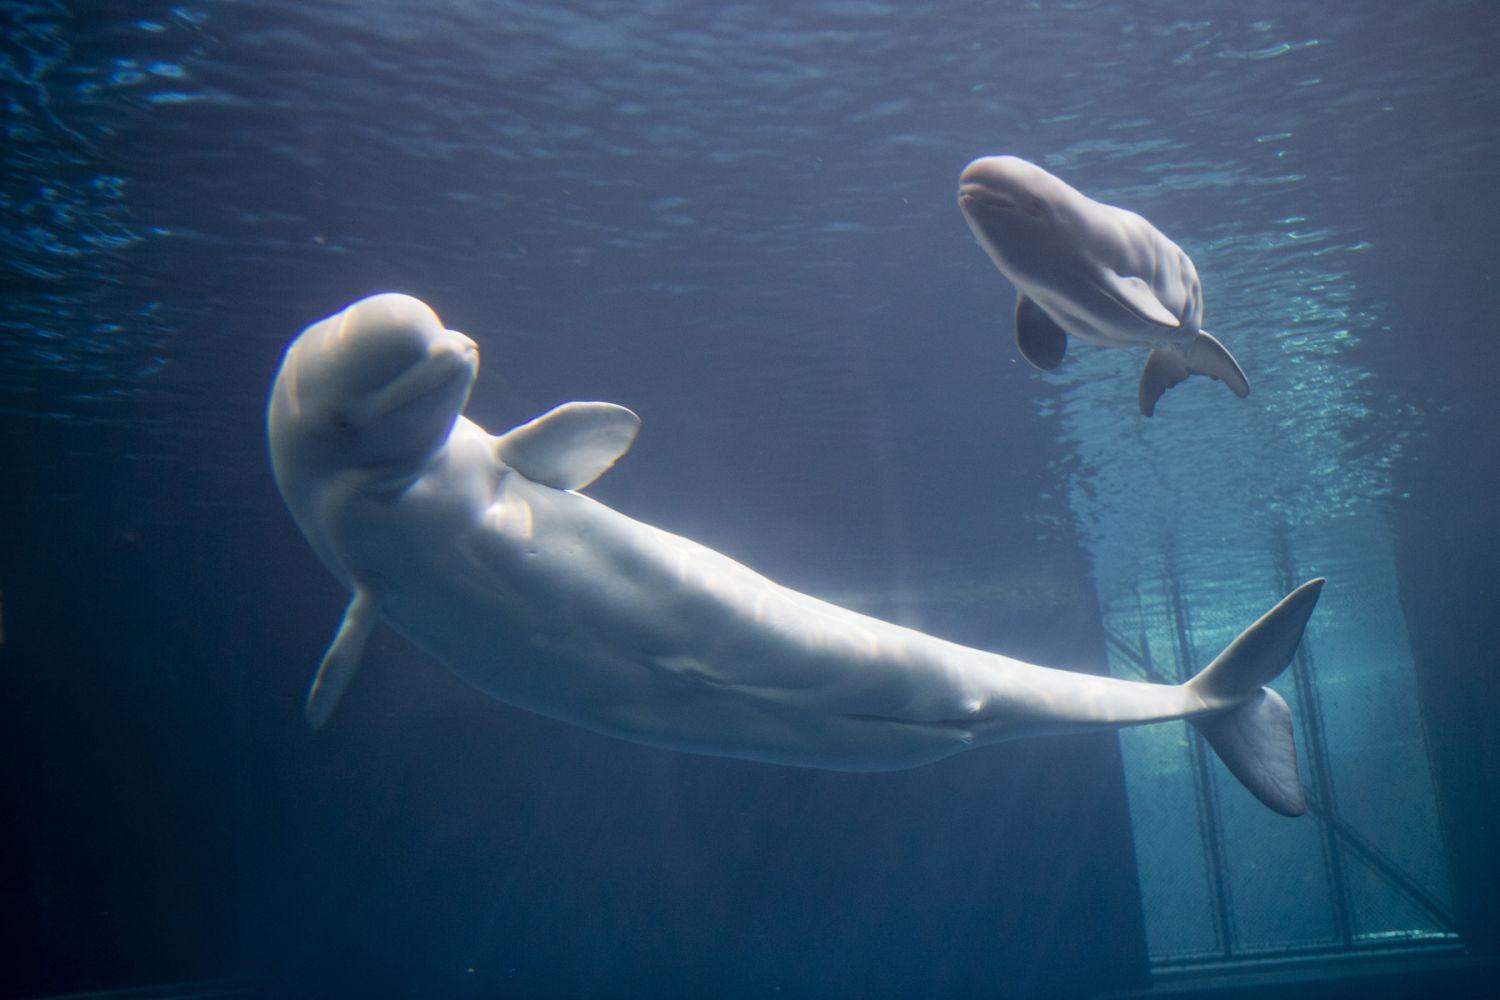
{"x": 739, "y": 220}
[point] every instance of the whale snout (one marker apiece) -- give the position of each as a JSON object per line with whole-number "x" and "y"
{"x": 452, "y": 351}
{"x": 447, "y": 367}
{"x": 464, "y": 350}
{"x": 392, "y": 348}
{"x": 464, "y": 347}
{"x": 1005, "y": 198}
{"x": 997, "y": 182}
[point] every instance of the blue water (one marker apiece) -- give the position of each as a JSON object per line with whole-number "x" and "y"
{"x": 739, "y": 220}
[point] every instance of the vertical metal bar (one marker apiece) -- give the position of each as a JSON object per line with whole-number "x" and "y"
{"x": 1209, "y": 822}
{"x": 1310, "y": 714}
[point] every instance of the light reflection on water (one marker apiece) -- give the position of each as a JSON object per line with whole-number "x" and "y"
{"x": 792, "y": 158}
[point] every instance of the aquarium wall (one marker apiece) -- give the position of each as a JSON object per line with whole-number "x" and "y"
{"x": 1200, "y": 519}
{"x": 1222, "y": 878}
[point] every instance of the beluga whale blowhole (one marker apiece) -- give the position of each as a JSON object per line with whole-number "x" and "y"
{"x": 1092, "y": 271}
{"x": 482, "y": 551}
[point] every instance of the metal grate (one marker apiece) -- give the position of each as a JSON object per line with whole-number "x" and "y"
{"x": 1222, "y": 879}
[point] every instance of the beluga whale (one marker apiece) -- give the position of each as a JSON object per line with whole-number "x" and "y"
{"x": 482, "y": 550}
{"x": 1093, "y": 271}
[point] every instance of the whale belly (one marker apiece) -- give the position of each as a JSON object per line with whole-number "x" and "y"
{"x": 560, "y": 605}
{"x": 690, "y": 702}
{"x": 554, "y": 603}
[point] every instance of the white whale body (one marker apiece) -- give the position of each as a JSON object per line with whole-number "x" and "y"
{"x": 1093, "y": 271}
{"x": 481, "y": 551}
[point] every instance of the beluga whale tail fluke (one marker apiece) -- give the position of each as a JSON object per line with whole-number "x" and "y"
{"x": 1252, "y": 734}
{"x": 1092, "y": 271}
{"x": 1169, "y": 364}
{"x": 482, "y": 550}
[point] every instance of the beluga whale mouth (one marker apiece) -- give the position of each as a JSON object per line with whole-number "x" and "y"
{"x": 977, "y": 194}
{"x": 446, "y": 360}
{"x": 1001, "y": 182}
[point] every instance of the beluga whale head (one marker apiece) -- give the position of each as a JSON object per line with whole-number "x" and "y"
{"x": 1017, "y": 211}
{"x": 375, "y": 388}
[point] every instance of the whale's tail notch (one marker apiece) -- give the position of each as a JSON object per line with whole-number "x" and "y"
{"x": 1252, "y": 734}
{"x": 1204, "y": 355}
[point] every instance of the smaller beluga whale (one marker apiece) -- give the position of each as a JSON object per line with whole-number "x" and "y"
{"x": 483, "y": 552}
{"x": 1092, "y": 271}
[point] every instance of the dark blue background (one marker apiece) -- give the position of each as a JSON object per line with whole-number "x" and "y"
{"x": 819, "y": 355}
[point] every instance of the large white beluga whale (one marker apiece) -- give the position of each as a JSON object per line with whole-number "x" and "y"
{"x": 481, "y": 550}
{"x": 1093, "y": 271}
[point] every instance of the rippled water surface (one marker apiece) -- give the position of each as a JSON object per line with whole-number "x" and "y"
{"x": 764, "y": 194}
